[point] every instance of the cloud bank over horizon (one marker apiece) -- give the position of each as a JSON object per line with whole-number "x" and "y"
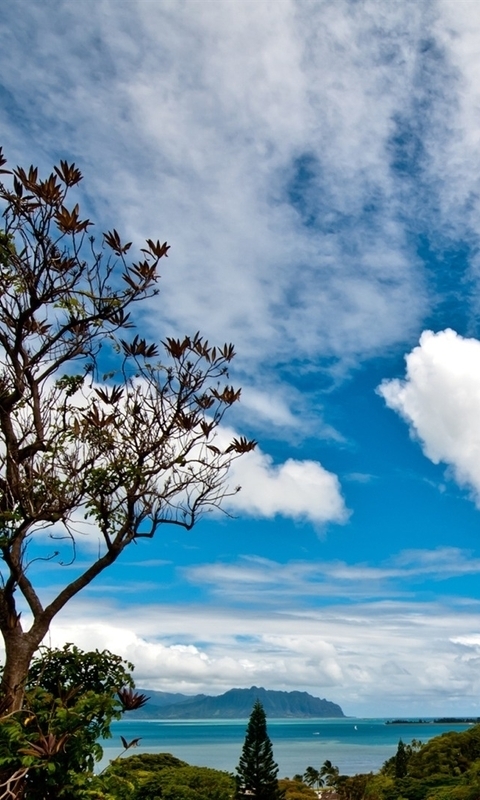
{"x": 366, "y": 636}
{"x": 364, "y": 655}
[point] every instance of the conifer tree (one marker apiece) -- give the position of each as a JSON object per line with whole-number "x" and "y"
{"x": 401, "y": 761}
{"x": 257, "y": 771}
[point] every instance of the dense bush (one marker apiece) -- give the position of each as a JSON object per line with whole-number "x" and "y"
{"x": 49, "y": 748}
{"x": 295, "y": 790}
{"x": 166, "y": 777}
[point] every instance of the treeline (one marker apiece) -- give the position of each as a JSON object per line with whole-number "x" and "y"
{"x": 445, "y": 768}
{"x": 438, "y": 721}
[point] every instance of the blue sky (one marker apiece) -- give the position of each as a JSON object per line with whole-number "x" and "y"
{"x": 315, "y": 167}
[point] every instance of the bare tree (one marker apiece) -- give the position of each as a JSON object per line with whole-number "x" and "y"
{"x": 130, "y": 450}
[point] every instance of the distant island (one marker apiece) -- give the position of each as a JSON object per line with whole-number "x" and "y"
{"x": 439, "y": 721}
{"x": 236, "y": 704}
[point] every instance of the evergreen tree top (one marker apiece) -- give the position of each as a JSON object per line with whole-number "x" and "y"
{"x": 257, "y": 770}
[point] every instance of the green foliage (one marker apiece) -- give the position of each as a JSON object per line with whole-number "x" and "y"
{"x": 419, "y": 788}
{"x": 143, "y": 767}
{"x": 296, "y": 789}
{"x": 312, "y": 777}
{"x": 401, "y": 761}
{"x": 458, "y": 792}
{"x": 257, "y": 771}
{"x": 69, "y": 667}
{"x": 390, "y": 766}
{"x": 187, "y": 783}
{"x": 445, "y": 768}
{"x": 71, "y": 699}
{"x": 353, "y": 787}
{"x": 378, "y": 787}
{"x": 164, "y": 776}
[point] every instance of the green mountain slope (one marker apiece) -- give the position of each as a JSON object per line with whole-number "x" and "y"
{"x": 237, "y": 704}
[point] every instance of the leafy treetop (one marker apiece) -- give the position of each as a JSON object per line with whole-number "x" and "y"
{"x": 50, "y": 747}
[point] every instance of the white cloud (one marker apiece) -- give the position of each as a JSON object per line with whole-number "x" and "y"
{"x": 272, "y": 408}
{"x": 288, "y": 219}
{"x": 455, "y": 160}
{"x": 278, "y": 583}
{"x": 174, "y": 140}
{"x": 297, "y": 489}
{"x": 440, "y": 401}
{"x": 178, "y": 664}
{"x": 371, "y": 658}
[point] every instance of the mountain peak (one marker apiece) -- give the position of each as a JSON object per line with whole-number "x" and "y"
{"x": 238, "y": 703}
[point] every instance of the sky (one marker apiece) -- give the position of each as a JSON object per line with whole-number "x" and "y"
{"x": 315, "y": 167}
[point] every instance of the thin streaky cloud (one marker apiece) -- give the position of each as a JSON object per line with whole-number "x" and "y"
{"x": 336, "y": 578}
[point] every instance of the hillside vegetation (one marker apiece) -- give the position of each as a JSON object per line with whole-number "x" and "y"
{"x": 237, "y": 704}
{"x": 445, "y": 768}
{"x": 153, "y": 776}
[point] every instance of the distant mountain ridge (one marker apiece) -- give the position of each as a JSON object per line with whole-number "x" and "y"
{"x": 236, "y": 704}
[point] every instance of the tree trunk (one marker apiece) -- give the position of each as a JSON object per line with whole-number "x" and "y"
{"x": 19, "y": 650}
{"x": 18, "y": 655}
{"x": 20, "y": 647}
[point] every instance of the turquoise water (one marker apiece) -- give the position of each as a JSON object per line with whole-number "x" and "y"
{"x": 354, "y": 745}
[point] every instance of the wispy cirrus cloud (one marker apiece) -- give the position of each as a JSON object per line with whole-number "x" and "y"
{"x": 279, "y": 198}
{"x": 292, "y": 210}
{"x": 264, "y": 581}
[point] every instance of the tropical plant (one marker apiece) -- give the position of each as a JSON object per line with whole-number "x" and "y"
{"x": 50, "y": 747}
{"x": 330, "y": 773}
{"x": 312, "y": 777}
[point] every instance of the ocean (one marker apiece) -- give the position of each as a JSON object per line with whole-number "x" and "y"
{"x": 353, "y": 745}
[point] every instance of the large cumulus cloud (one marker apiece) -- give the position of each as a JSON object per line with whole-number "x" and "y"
{"x": 440, "y": 400}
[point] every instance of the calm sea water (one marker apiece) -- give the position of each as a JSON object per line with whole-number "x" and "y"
{"x": 354, "y": 745}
